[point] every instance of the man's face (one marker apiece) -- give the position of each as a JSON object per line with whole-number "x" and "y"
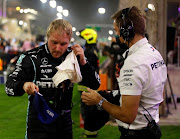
{"x": 116, "y": 28}
{"x": 58, "y": 44}
{"x": 117, "y": 32}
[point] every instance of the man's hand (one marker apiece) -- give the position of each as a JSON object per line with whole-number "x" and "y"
{"x": 91, "y": 98}
{"x": 30, "y": 87}
{"x": 78, "y": 51}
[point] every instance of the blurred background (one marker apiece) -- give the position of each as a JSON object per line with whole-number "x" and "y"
{"x": 23, "y": 25}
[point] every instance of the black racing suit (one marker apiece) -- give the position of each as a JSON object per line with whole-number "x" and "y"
{"x": 91, "y": 53}
{"x": 38, "y": 66}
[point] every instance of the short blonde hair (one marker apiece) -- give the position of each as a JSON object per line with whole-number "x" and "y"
{"x": 59, "y": 25}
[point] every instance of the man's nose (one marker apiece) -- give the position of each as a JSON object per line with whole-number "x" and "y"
{"x": 58, "y": 47}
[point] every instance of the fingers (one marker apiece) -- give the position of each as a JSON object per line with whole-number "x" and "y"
{"x": 85, "y": 97}
{"x": 37, "y": 88}
{"x": 30, "y": 87}
{"x": 78, "y": 50}
{"x": 90, "y": 90}
{"x": 90, "y": 98}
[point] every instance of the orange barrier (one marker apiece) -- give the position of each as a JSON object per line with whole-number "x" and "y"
{"x": 103, "y": 78}
{"x": 81, "y": 121}
{"x": 1, "y": 64}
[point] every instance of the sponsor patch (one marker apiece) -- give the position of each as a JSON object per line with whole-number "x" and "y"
{"x": 157, "y": 64}
{"x": 20, "y": 59}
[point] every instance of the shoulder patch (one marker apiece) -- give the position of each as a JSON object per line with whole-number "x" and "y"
{"x": 21, "y": 58}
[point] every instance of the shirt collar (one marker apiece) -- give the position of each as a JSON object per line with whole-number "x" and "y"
{"x": 137, "y": 45}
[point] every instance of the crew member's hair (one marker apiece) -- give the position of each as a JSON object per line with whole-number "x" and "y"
{"x": 134, "y": 15}
{"x": 59, "y": 25}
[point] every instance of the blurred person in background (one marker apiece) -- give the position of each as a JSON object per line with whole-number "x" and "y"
{"x": 115, "y": 54}
{"x": 141, "y": 77}
{"x": 26, "y": 45}
{"x": 40, "y": 40}
{"x": 34, "y": 72}
{"x": 91, "y": 53}
{"x": 3, "y": 43}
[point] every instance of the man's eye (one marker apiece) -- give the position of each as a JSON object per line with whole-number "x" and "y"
{"x": 54, "y": 42}
{"x": 63, "y": 44}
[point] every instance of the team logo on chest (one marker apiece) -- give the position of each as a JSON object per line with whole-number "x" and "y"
{"x": 44, "y": 62}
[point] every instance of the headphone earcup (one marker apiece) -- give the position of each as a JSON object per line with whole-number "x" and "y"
{"x": 124, "y": 33}
{"x": 131, "y": 32}
{"x": 127, "y": 32}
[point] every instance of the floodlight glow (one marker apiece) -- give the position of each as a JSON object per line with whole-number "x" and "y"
{"x": 110, "y": 32}
{"x": 52, "y": 3}
{"x": 101, "y": 10}
{"x": 59, "y": 15}
{"x": 60, "y": 9}
{"x": 72, "y": 39}
{"x": 25, "y": 11}
{"x": 109, "y": 38}
{"x": 43, "y": 1}
{"x": 77, "y": 33}
{"x": 21, "y": 22}
{"x": 21, "y": 11}
{"x": 73, "y": 29}
{"x": 65, "y": 12}
{"x": 25, "y": 24}
{"x": 151, "y": 7}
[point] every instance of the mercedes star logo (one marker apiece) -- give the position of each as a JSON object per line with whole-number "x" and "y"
{"x": 44, "y": 61}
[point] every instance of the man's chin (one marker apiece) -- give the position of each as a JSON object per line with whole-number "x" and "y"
{"x": 56, "y": 55}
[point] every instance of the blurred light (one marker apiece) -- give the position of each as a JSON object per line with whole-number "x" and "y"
{"x": 146, "y": 9}
{"x": 33, "y": 11}
{"x": 101, "y": 10}
{"x": 43, "y": 1}
{"x": 73, "y": 29}
{"x": 110, "y": 32}
{"x": 4, "y": 21}
{"x": 21, "y": 11}
{"x": 77, "y": 33}
{"x": 13, "y": 40}
{"x": 60, "y": 9}
{"x": 65, "y": 12}
{"x": 25, "y": 24}
{"x": 21, "y": 22}
{"x": 25, "y": 11}
{"x": 151, "y": 7}
{"x": 109, "y": 38}
{"x": 28, "y": 11}
{"x": 72, "y": 39}
{"x": 52, "y": 3}
{"x": 18, "y": 8}
{"x": 59, "y": 15}
{"x": 13, "y": 21}
{"x": 179, "y": 9}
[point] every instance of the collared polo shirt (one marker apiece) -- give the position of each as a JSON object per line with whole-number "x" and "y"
{"x": 144, "y": 73}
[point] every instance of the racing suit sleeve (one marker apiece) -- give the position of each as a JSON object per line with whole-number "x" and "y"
{"x": 90, "y": 77}
{"x": 93, "y": 60}
{"x": 24, "y": 72}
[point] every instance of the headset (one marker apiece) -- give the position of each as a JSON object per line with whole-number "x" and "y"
{"x": 126, "y": 30}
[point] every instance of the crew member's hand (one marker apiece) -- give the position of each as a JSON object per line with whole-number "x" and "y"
{"x": 91, "y": 98}
{"x": 30, "y": 87}
{"x": 78, "y": 51}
